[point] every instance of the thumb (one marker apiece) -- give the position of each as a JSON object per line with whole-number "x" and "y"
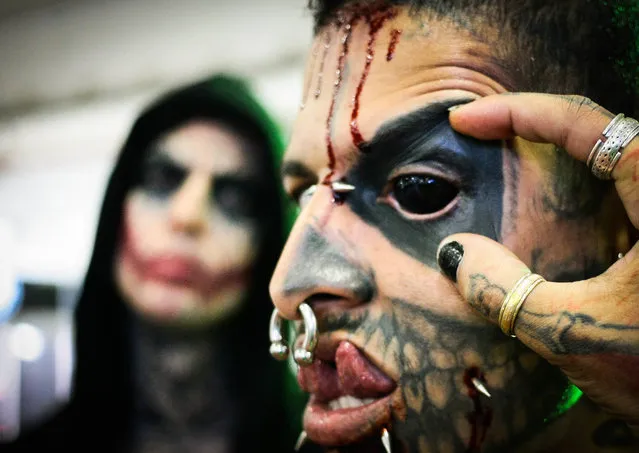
{"x": 486, "y": 271}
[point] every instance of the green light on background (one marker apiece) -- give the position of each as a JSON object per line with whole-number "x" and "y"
{"x": 570, "y": 397}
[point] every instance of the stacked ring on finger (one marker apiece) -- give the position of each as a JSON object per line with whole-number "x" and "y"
{"x": 607, "y": 152}
{"x": 514, "y": 300}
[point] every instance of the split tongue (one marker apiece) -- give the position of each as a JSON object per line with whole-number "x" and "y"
{"x": 357, "y": 376}
{"x": 321, "y": 380}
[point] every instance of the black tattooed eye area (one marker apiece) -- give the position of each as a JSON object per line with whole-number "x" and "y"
{"x": 422, "y": 194}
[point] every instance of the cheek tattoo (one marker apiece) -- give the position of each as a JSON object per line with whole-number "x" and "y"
{"x": 448, "y": 368}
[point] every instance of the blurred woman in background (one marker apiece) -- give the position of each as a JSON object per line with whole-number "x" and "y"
{"x": 171, "y": 351}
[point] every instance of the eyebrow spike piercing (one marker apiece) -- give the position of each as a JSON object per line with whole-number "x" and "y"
{"x": 341, "y": 187}
{"x": 481, "y": 387}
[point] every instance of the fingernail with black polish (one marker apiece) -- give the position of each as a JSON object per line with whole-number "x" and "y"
{"x": 450, "y": 255}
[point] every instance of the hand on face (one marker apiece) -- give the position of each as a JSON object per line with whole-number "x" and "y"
{"x": 590, "y": 328}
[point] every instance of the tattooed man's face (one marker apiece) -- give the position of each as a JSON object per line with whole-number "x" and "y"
{"x": 398, "y": 346}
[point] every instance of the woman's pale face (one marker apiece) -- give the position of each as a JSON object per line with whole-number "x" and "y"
{"x": 190, "y": 234}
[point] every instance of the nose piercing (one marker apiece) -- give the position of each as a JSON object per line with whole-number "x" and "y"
{"x": 279, "y": 348}
{"x": 303, "y": 355}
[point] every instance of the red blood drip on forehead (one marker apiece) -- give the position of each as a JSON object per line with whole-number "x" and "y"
{"x": 320, "y": 75}
{"x": 392, "y": 45}
{"x": 347, "y": 27}
{"x": 481, "y": 417}
{"x": 375, "y": 20}
{"x": 307, "y": 85}
{"x": 375, "y": 15}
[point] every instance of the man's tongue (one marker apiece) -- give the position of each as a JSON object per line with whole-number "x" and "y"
{"x": 353, "y": 375}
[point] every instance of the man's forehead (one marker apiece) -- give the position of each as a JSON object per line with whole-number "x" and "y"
{"x": 354, "y": 91}
{"x": 389, "y": 135}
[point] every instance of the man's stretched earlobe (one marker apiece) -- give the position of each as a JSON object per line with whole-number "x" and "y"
{"x": 449, "y": 257}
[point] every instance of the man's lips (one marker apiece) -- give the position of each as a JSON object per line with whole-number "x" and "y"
{"x": 350, "y": 397}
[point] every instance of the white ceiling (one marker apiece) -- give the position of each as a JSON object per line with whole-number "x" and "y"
{"x": 83, "y": 49}
{"x": 12, "y": 7}
{"x": 74, "y": 75}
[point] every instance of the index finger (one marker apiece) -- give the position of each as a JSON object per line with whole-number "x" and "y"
{"x": 574, "y": 123}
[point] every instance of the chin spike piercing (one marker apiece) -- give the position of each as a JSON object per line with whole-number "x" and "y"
{"x": 301, "y": 440}
{"x": 386, "y": 442}
{"x": 479, "y": 385}
{"x": 341, "y": 187}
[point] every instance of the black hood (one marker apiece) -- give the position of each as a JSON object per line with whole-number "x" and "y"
{"x": 102, "y": 400}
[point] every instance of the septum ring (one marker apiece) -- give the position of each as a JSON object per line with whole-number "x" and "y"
{"x": 303, "y": 355}
{"x": 514, "y": 300}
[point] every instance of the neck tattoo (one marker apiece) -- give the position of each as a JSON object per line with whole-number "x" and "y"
{"x": 182, "y": 398}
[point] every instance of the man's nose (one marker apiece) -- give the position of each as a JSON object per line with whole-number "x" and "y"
{"x": 314, "y": 267}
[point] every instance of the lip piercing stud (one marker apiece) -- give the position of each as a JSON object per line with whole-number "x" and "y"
{"x": 386, "y": 442}
{"x": 301, "y": 440}
{"x": 479, "y": 385}
{"x": 341, "y": 187}
{"x": 303, "y": 355}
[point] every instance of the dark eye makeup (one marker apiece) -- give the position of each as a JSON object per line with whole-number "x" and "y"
{"x": 237, "y": 197}
{"x": 161, "y": 176}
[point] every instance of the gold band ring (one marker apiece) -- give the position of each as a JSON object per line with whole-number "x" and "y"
{"x": 514, "y": 300}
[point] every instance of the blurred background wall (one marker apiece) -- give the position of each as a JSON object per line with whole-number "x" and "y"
{"x": 73, "y": 76}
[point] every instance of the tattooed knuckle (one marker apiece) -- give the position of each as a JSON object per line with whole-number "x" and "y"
{"x": 577, "y": 102}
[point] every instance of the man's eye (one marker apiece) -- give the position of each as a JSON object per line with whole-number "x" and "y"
{"x": 423, "y": 194}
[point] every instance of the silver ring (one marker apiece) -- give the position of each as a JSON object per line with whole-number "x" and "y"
{"x": 305, "y": 354}
{"x": 607, "y": 151}
{"x": 278, "y": 348}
